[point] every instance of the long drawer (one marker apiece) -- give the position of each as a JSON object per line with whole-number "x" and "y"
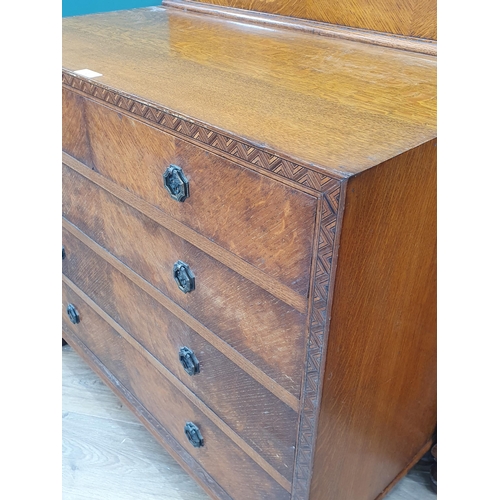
{"x": 223, "y": 460}
{"x": 263, "y": 221}
{"x": 265, "y": 330}
{"x": 265, "y": 422}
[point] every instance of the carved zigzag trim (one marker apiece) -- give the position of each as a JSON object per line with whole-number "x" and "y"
{"x": 229, "y": 145}
{"x": 324, "y": 267}
{"x": 316, "y": 347}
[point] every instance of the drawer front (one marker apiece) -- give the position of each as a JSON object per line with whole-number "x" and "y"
{"x": 263, "y": 221}
{"x": 265, "y": 422}
{"x": 231, "y": 468}
{"x": 266, "y": 331}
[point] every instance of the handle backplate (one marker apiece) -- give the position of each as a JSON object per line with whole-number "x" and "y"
{"x": 189, "y": 362}
{"x": 176, "y": 183}
{"x": 194, "y": 435}
{"x": 73, "y": 314}
{"x": 183, "y": 276}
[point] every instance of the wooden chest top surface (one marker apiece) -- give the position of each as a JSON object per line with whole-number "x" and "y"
{"x": 415, "y": 18}
{"x": 340, "y": 105}
{"x": 267, "y": 125}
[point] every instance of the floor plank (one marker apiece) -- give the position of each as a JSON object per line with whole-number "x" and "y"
{"x": 84, "y": 392}
{"x": 111, "y": 459}
{"x": 109, "y": 455}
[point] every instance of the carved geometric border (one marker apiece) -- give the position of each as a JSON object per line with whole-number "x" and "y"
{"x": 331, "y": 188}
{"x": 317, "y": 342}
{"x": 241, "y": 150}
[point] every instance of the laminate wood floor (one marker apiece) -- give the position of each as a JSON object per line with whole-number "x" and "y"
{"x": 109, "y": 455}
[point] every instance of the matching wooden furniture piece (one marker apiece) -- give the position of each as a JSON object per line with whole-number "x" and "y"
{"x": 249, "y": 235}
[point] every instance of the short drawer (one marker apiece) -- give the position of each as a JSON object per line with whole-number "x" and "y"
{"x": 265, "y": 422}
{"x": 226, "y": 463}
{"x": 265, "y": 330}
{"x": 259, "y": 219}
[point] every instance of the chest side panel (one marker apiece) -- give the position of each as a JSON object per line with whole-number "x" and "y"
{"x": 379, "y": 397}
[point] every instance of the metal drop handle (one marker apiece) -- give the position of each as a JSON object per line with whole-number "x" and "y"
{"x": 189, "y": 361}
{"x": 176, "y": 183}
{"x": 183, "y": 276}
{"x": 193, "y": 434}
{"x": 73, "y": 314}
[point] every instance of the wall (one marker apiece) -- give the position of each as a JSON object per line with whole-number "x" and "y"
{"x": 81, "y": 7}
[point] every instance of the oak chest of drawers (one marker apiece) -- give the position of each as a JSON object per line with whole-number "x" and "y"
{"x": 207, "y": 171}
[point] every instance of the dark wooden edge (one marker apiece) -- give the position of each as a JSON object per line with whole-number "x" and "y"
{"x": 410, "y": 44}
{"x": 320, "y": 306}
{"x": 260, "y": 278}
{"x": 244, "y": 152}
{"x": 405, "y": 471}
{"x": 265, "y": 380}
{"x": 185, "y": 391}
{"x": 186, "y": 461}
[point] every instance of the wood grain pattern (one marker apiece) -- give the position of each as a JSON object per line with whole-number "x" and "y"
{"x": 427, "y": 446}
{"x": 188, "y": 394}
{"x": 379, "y": 394}
{"x": 273, "y": 234}
{"x": 412, "y": 44}
{"x": 265, "y": 330}
{"x": 424, "y": 19}
{"x": 102, "y": 462}
{"x": 107, "y": 452}
{"x": 185, "y": 460}
{"x": 91, "y": 410}
{"x": 74, "y": 132}
{"x": 202, "y": 330}
{"x": 171, "y": 409}
{"x": 256, "y": 276}
{"x": 85, "y": 394}
{"x": 322, "y": 281}
{"x": 266, "y": 423}
{"x": 347, "y": 123}
{"x": 342, "y": 106}
{"x": 416, "y": 18}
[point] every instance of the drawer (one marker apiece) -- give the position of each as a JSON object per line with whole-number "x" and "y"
{"x": 228, "y": 465}
{"x": 265, "y": 330}
{"x": 265, "y": 422}
{"x": 259, "y": 219}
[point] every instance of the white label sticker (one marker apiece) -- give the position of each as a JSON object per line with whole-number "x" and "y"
{"x": 87, "y": 73}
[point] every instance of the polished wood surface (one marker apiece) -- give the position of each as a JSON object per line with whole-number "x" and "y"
{"x": 107, "y": 452}
{"x": 130, "y": 464}
{"x": 185, "y": 460}
{"x": 255, "y": 275}
{"x": 274, "y": 234}
{"x": 417, "y": 18}
{"x": 299, "y": 24}
{"x": 263, "y": 329}
{"x": 182, "y": 388}
{"x": 379, "y": 395}
{"x": 340, "y": 105}
{"x": 74, "y": 134}
{"x": 315, "y": 269}
{"x": 173, "y": 307}
{"x": 243, "y": 403}
{"x": 171, "y": 409}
